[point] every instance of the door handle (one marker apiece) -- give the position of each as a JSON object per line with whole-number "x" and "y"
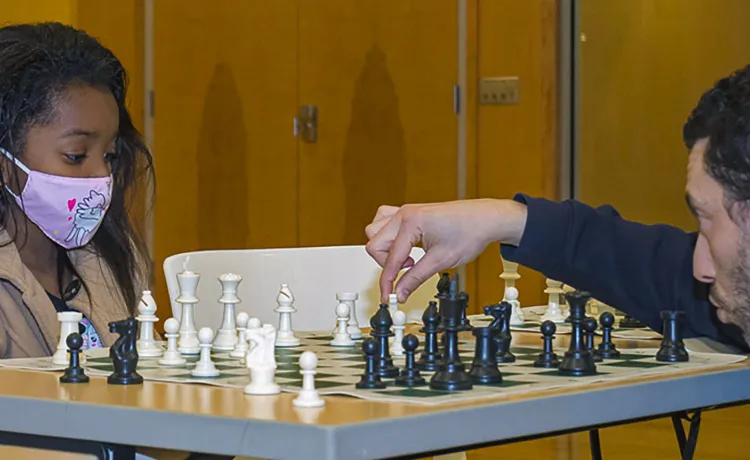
{"x": 306, "y": 123}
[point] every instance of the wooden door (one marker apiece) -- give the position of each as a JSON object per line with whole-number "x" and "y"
{"x": 225, "y": 155}
{"x": 381, "y": 73}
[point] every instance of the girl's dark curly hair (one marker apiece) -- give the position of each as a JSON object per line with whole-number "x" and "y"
{"x": 38, "y": 63}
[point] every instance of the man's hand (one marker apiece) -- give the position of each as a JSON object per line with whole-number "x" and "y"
{"x": 451, "y": 234}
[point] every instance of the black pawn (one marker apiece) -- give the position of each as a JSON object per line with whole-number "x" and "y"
{"x": 443, "y": 285}
{"x": 672, "y": 348}
{"x": 370, "y": 379}
{"x": 589, "y": 324}
{"x": 381, "y": 324}
{"x": 607, "y": 348}
{"x": 430, "y": 358}
{"x": 547, "y": 358}
{"x": 578, "y": 360}
{"x": 410, "y": 376}
{"x": 74, "y": 373}
{"x": 484, "y": 367}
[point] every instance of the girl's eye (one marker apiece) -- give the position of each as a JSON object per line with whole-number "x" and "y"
{"x": 111, "y": 157}
{"x": 75, "y": 158}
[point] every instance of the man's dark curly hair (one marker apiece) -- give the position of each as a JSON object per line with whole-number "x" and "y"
{"x": 723, "y": 116}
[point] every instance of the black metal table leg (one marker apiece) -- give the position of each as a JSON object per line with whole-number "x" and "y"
{"x": 596, "y": 448}
{"x": 687, "y": 444}
{"x": 103, "y": 451}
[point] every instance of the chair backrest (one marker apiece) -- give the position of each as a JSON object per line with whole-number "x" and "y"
{"x": 314, "y": 275}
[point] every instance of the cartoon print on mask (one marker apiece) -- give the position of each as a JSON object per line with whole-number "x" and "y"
{"x": 88, "y": 216}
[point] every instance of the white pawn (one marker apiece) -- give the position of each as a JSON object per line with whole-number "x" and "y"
{"x": 516, "y": 316}
{"x": 285, "y": 334}
{"x": 205, "y": 367}
{"x": 399, "y": 324}
{"x": 308, "y": 396}
{"x": 241, "y": 348}
{"x": 146, "y": 345}
{"x": 172, "y": 357}
{"x": 342, "y": 338}
{"x": 392, "y": 303}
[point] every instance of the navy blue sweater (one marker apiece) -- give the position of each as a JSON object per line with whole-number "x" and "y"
{"x": 638, "y": 269}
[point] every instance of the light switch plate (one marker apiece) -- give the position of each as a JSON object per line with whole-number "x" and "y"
{"x": 499, "y": 91}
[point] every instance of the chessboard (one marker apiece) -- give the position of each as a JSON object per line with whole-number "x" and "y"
{"x": 532, "y": 323}
{"x": 340, "y": 368}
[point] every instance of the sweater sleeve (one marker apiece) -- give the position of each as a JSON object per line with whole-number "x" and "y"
{"x": 636, "y": 268}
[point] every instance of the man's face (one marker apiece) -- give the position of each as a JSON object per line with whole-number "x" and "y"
{"x": 722, "y": 253}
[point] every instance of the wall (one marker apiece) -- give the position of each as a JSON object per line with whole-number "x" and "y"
{"x": 512, "y": 148}
{"x": 644, "y": 66}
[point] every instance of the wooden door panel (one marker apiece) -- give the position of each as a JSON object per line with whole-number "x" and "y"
{"x": 381, "y": 74}
{"x": 225, "y": 154}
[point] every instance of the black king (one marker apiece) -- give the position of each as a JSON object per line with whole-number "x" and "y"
{"x": 451, "y": 375}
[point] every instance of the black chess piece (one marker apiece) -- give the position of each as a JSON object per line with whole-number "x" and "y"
{"x": 451, "y": 375}
{"x": 484, "y": 368}
{"x": 443, "y": 285}
{"x": 578, "y": 360}
{"x": 430, "y": 358}
{"x": 410, "y": 376}
{"x": 547, "y": 358}
{"x": 672, "y": 349}
{"x": 607, "y": 348}
{"x": 124, "y": 353}
{"x": 465, "y": 324}
{"x": 381, "y": 323}
{"x": 74, "y": 373}
{"x": 370, "y": 379}
{"x": 501, "y": 323}
{"x": 589, "y": 325}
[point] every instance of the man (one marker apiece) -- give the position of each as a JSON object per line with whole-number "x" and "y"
{"x": 640, "y": 269}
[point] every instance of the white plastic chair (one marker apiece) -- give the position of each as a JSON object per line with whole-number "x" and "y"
{"x": 314, "y": 275}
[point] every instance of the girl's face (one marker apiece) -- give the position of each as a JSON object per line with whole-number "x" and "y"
{"x": 79, "y": 141}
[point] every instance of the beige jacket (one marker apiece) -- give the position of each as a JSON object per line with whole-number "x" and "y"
{"x": 28, "y": 320}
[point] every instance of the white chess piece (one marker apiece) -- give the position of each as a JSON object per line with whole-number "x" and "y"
{"x": 261, "y": 361}
{"x": 241, "y": 348}
{"x": 510, "y": 274}
{"x": 205, "y": 367}
{"x": 341, "y": 338}
{"x": 172, "y": 357}
{"x": 253, "y": 324}
{"x": 285, "y": 335}
{"x": 308, "y": 396}
{"x": 516, "y": 316}
{"x": 399, "y": 324}
{"x": 553, "y": 312}
{"x": 350, "y": 298}
{"x": 392, "y": 303}
{"x": 188, "y": 281}
{"x": 68, "y": 325}
{"x": 146, "y": 345}
{"x": 226, "y": 338}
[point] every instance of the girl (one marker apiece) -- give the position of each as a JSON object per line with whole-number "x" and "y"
{"x": 68, "y": 165}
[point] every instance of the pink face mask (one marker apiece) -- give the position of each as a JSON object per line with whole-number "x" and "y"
{"x": 69, "y": 210}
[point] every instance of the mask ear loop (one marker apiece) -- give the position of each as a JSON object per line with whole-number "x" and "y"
{"x": 18, "y": 163}
{"x": 15, "y": 161}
